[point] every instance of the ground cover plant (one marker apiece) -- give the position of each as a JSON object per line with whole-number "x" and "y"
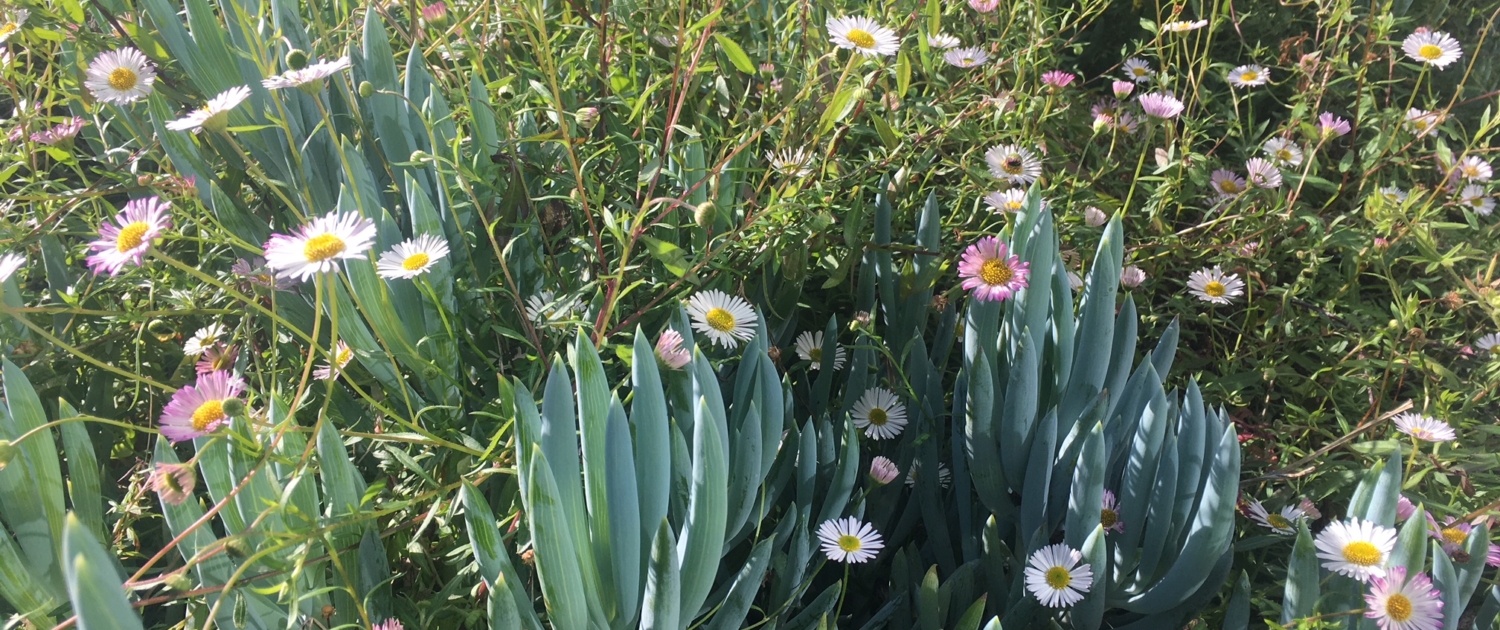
{"x": 746, "y": 314}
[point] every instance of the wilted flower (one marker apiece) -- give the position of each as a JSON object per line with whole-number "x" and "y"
{"x": 1250, "y": 249}
{"x": 174, "y": 483}
{"x": 944, "y": 476}
{"x": 319, "y": 246}
{"x": 544, "y": 309}
{"x": 213, "y": 116}
{"x": 309, "y": 79}
{"x": 1109, "y": 513}
{"x": 1435, "y": 48}
{"x": 1404, "y": 508}
{"x": 1058, "y": 79}
{"x": 726, "y": 319}
{"x": 1330, "y": 126}
{"x": 1056, "y": 577}
{"x": 991, "y": 272}
{"x": 1422, "y": 122}
{"x": 217, "y": 357}
{"x": 790, "y": 163}
{"x": 984, "y": 6}
{"x": 1160, "y": 105}
{"x": 435, "y": 14}
{"x": 849, "y": 540}
{"x": 883, "y": 470}
{"x": 9, "y": 263}
{"x": 1249, "y": 76}
{"x": 393, "y": 623}
{"x": 60, "y": 134}
{"x": 864, "y": 35}
{"x": 1213, "y": 285}
{"x": 669, "y": 350}
{"x": 121, "y": 76}
{"x": 966, "y": 57}
{"x": 125, "y": 240}
{"x": 1284, "y": 523}
{"x": 1263, "y": 173}
{"x": 1138, "y": 70}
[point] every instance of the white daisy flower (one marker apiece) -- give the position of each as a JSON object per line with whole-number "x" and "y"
{"x": 412, "y": 258}
{"x": 1432, "y": 47}
{"x": 1183, "y": 26}
{"x": 848, "y": 540}
{"x": 215, "y": 115}
{"x": 942, "y": 41}
{"x": 1055, "y": 576}
{"x": 1355, "y": 548}
{"x": 1475, "y": 197}
{"x": 1473, "y": 168}
{"x": 339, "y": 359}
{"x": 879, "y": 413}
{"x": 1138, "y": 70}
{"x": 1396, "y": 603}
{"x": 310, "y": 77}
{"x": 544, "y": 309}
{"x": 1213, "y": 285}
{"x": 1013, "y": 164}
{"x": 790, "y": 163}
{"x": 726, "y": 319}
{"x": 1422, "y": 122}
{"x": 1282, "y": 151}
{"x": 204, "y": 338}
{"x": 121, "y": 76}
{"x": 1263, "y": 173}
{"x": 12, "y": 24}
{"x": 810, "y": 348}
{"x": 1487, "y": 343}
{"x": 319, "y": 246}
{"x": 1227, "y": 183}
{"x": 1284, "y": 523}
{"x": 945, "y": 476}
{"x": 9, "y": 264}
{"x": 1012, "y": 200}
{"x": 1074, "y": 281}
{"x": 966, "y": 57}
{"x": 1425, "y": 428}
{"x": 1393, "y": 194}
{"x": 1249, "y": 76}
{"x": 856, "y": 32}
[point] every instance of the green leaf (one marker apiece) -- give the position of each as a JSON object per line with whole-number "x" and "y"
{"x": 1410, "y": 551}
{"x": 653, "y": 446}
{"x": 1087, "y": 498}
{"x": 672, "y": 257}
{"x": 495, "y": 566}
{"x": 1089, "y": 612}
{"x": 736, "y": 54}
{"x": 838, "y": 107}
{"x": 556, "y": 559}
{"x": 887, "y": 135}
{"x": 1237, "y": 614}
{"x": 731, "y": 614}
{"x": 83, "y": 471}
{"x": 19, "y": 587}
{"x": 660, "y": 608}
{"x": 97, "y": 591}
{"x": 703, "y": 534}
{"x": 31, "y": 487}
{"x": 903, "y": 73}
{"x": 1445, "y": 578}
{"x": 624, "y": 514}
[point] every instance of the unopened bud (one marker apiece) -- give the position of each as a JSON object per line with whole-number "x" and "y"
{"x": 435, "y": 14}
{"x": 144, "y": 179}
{"x": 366, "y": 89}
{"x": 296, "y": 59}
{"x": 178, "y": 582}
{"x": 587, "y": 117}
{"x": 705, "y": 214}
{"x": 233, "y": 407}
{"x": 7, "y": 452}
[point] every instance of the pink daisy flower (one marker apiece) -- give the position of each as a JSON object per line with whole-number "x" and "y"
{"x": 126, "y": 240}
{"x": 991, "y": 272}
{"x": 1331, "y": 126}
{"x": 670, "y": 352}
{"x": 1058, "y": 79}
{"x": 174, "y": 483}
{"x": 1109, "y": 514}
{"x": 1160, "y": 105}
{"x": 198, "y": 410}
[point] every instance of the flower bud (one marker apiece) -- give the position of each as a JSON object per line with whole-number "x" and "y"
{"x": 296, "y": 59}
{"x": 366, "y": 89}
{"x": 234, "y": 407}
{"x": 1123, "y": 88}
{"x": 178, "y": 582}
{"x": 435, "y": 14}
{"x": 705, "y": 214}
{"x": 587, "y": 117}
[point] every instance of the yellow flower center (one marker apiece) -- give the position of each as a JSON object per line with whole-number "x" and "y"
{"x": 322, "y": 247}
{"x": 1012, "y": 165}
{"x": 861, "y": 38}
{"x": 1138, "y": 71}
{"x": 1455, "y": 535}
{"x": 1284, "y": 155}
{"x": 1362, "y": 553}
{"x": 122, "y": 78}
{"x": 1278, "y": 521}
{"x": 816, "y": 354}
{"x": 343, "y": 356}
{"x": 1059, "y": 578}
{"x": 1398, "y": 607}
{"x": 1108, "y": 518}
{"x": 9, "y": 28}
{"x": 207, "y": 414}
{"x": 850, "y": 543}
{"x": 415, "y": 261}
{"x": 995, "y": 272}
{"x": 720, "y": 319}
{"x": 1228, "y": 186}
{"x": 1430, "y": 51}
{"x": 131, "y": 236}
{"x": 967, "y": 61}
{"x": 878, "y": 417}
{"x": 1214, "y": 288}
{"x": 1249, "y": 76}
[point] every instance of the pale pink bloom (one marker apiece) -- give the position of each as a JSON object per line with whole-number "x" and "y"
{"x": 984, "y": 6}
{"x": 1160, "y": 105}
{"x": 1309, "y": 509}
{"x": 389, "y": 624}
{"x": 670, "y": 352}
{"x": 1109, "y": 513}
{"x": 319, "y": 246}
{"x": 1263, "y": 173}
{"x": 1398, "y": 603}
{"x": 217, "y": 358}
{"x": 1058, "y": 79}
{"x": 335, "y": 365}
{"x": 883, "y": 470}
{"x": 1122, "y": 88}
{"x": 1331, "y": 126}
{"x": 198, "y": 410}
{"x": 60, "y": 134}
{"x": 991, "y": 272}
{"x": 435, "y": 13}
{"x": 126, "y": 240}
{"x": 1132, "y": 277}
{"x": 174, "y": 483}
